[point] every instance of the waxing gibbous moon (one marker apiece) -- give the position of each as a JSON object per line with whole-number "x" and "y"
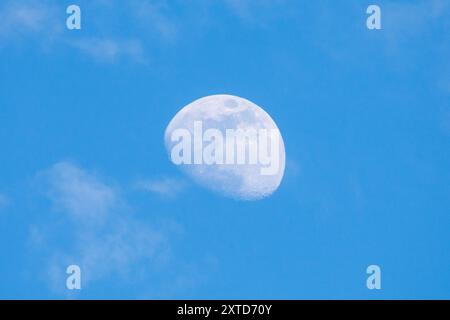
{"x": 244, "y": 181}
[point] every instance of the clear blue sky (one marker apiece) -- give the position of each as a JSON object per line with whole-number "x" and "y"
{"x": 85, "y": 178}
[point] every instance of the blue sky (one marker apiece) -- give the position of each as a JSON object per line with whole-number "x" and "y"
{"x": 85, "y": 178}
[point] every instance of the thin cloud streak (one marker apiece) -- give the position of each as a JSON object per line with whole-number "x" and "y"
{"x": 165, "y": 187}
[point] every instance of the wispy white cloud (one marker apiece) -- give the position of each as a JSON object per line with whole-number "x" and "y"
{"x": 23, "y": 16}
{"x": 166, "y": 186}
{"x": 107, "y": 42}
{"x": 105, "y": 238}
{"x": 28, "y": 19}
{"x": 78, "y": 193}
{"x": 155, "y": 16}
{"x": 44, "y": 23}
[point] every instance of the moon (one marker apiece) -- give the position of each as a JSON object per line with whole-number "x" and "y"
{"x": 224, "y": 112}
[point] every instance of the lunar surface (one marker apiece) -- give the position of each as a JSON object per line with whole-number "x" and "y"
{"x": 244, "y": 181}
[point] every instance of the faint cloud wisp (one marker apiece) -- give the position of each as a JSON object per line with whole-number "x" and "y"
{"x": 102, "y": 237}
{"x": 28, "y": 18}
{"x": 43, "y": 22}
{"x": 165, "y": 187}
{"x": 110, "y": 50}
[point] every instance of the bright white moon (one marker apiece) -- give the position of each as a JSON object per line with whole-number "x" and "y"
{"x": 220, "y": 113}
